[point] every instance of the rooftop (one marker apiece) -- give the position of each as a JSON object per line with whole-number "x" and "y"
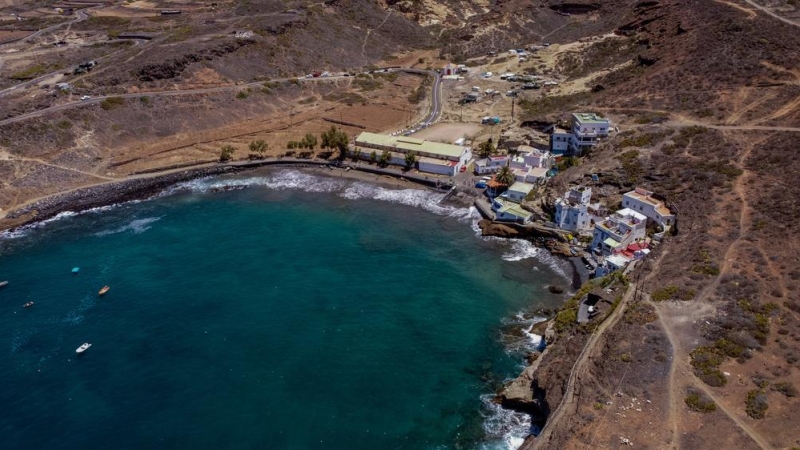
{"x": 588, "y": 118}
{"x": 627, "y": 212}
{"x": 509, "y": 207}
{"x": 521, "y": 187}
{"x": 405, "y": 143}
{"x": 645, "y": 197}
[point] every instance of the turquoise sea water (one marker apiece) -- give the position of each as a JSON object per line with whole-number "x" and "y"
{"x": 299, "y": 312}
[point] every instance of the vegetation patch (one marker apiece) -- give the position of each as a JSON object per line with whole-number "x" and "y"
{"x": 348, "y": 98}
{"x": 698, "y": 402}
{"x": 550, "y": 105}
{"x": 640, "y": 314}
{"x": 644, "y": 139}
{"x": 112, "y": 103}
{"x": 756, "y": 404}
{"x": 672, "y": 292}
{"x": 33, "y": 71}
{"x": 786, "y": 388}
{"x": 706, "y": 362}
{"x": 366, "y": 84}
{"x": 631, "y": 165}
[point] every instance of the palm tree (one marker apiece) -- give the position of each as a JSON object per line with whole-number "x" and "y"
{"x": 505, "y": 176}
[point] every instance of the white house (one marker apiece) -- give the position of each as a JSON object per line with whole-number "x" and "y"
{"x": 572, "y": 211}
{"x": 559, "y": 141}
{"x": 518, "y": 191}
{"x": 618, "y": 231}
{"x": 536, "y": 158}
{"x": 587, "y": 129}
{"x": 642, "y": 201}
{"x": 506, "y": 210}
{"x": 491, "y": 164}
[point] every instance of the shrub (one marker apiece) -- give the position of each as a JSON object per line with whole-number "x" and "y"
{"x": 706, "y": 362}
{"x": 226, "y": 153}
{"x": 729, "y": 348}
{"x": 700, "y": 403}
{"x": 786, "y": 388}
{"x": 756, "y": 404}
{"x": 663, "y": 294}
{"x": 64, "y": 124}
{"x": 112, "y": 102}
{"x": 241, "y": 95}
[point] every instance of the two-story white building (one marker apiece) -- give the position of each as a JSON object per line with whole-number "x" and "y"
{"x": 572, "y": 211}
{"x": 587, "y": 129}
{"x": 642, "y": 201}
{"x": 618, "y": 231}
{"x": 491, "y": 164}
{"x": 533, "y": 157}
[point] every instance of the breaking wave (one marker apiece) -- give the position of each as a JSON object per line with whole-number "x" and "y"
{"x": 419, "y": 198}
{"x": 505, "y": 429}
{"x": 138, "y": 226}
{"x": 286, "y": 179}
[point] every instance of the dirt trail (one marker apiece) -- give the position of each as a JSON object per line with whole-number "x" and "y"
{"x": 568, "y": 405}
{"x": 751, "y": 14}
{"x": 771, "y": 13}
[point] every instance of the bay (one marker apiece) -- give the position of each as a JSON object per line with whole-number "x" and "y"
{"x": 297, "y": 312}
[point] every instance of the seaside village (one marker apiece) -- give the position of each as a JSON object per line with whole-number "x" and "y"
{"x": 513, "y": 184}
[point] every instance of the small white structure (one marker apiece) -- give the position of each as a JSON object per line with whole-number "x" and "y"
{"x": 642, "y": 201}
{"x": 491, "y": 164}
{"x": 559, "y": 141}
{"x": 536, "y": 158}
{"x": 618, "y": 231}
{"x": 572, "y": 211}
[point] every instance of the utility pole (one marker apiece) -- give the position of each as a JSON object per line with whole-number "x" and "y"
{"x": 461, "y": 116}
{"x": 513, "y": 100}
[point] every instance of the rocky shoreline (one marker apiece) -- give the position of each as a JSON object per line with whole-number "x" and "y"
{"x": 138, "y": 188}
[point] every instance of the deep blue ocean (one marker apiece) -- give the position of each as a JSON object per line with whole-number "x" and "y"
{"x": 291, "y": 312}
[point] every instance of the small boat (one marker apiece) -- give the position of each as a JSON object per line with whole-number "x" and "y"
{"x": 103, "y": 290}
{"x": 85, "y": 346}
{"x": 27, "y": 305}
{"x": 3, "y": 283}
{"x": 75, "y": 270}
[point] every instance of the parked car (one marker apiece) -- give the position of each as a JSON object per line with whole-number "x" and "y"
{"x": 85, "y": 97}
{"x": 480, "y": 184}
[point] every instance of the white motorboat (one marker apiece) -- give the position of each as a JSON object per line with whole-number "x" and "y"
{"x": 85, "y": 346}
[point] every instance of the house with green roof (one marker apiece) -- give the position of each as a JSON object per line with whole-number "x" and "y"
{"x": 432, "y": 157}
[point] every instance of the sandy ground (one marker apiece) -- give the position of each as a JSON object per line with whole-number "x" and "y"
{"x": 448, "y": 132}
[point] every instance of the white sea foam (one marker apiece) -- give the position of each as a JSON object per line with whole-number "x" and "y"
{"x": 137, "y": 226}
{"x": 285, "y": 179}
{"x": 419, "y": 198}
{"x": 504, "y": 428}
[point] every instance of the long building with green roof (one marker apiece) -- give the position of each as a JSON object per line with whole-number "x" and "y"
{"x": 433, "y": 157}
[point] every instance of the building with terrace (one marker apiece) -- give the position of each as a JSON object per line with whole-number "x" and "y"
{"x": 642, "y": 201}
{"x": 621, "y": 229}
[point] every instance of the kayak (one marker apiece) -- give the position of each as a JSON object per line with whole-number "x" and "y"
{"x": 103, "y": 290}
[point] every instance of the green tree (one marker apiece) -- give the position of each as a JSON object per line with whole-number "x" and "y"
{"x": 486, "y": 149}
{"x": 386, "y": 157}
{"x": 373, "y": 157}
{"x": 226, "y": 153}
{"x": 505, "y": 176}
{"x": 309, "y": 141}
{"x": 336, "y": 139}
{"x": 258, "y": 146}
{"x": 410, "y": 160}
